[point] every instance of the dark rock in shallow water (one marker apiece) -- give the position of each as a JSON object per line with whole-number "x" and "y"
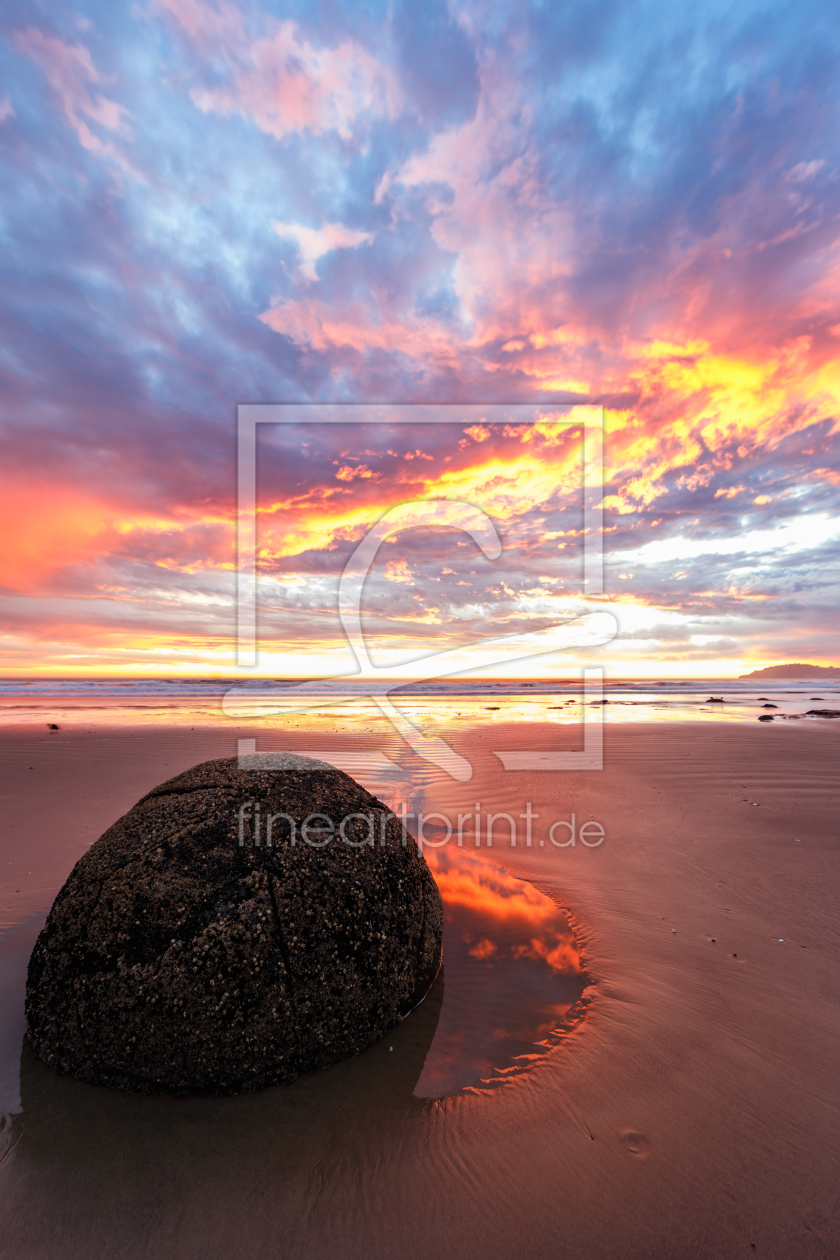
{"x": 181, "y": 956}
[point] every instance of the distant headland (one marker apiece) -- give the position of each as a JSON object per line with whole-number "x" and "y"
{"x": 795, "y": 671}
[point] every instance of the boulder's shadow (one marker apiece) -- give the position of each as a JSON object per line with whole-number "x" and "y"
{"x": 99, "y": 1171}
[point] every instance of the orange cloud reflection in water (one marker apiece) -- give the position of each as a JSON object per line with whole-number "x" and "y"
{"x": 512, "y": 972}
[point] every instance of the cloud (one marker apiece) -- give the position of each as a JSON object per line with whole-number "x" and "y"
{"x": 314, "y": 243}
{"x": 213, "y": 28}
{"x": 348, "y": 473}
{"x": 323, "y": 325}
{"x": 483, "y": 186}
{"x": 7, "y": 109}
{"x": 803, "y": 172}
{"x": 281, "y": 81}
{"x": 70, "y": 72}
{"x": 47, "y": 527}
{"x": 559, "y": 203}
{"x": 478, "y": 432}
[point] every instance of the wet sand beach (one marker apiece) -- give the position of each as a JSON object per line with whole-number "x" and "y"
{"x": 690, "y": 1109}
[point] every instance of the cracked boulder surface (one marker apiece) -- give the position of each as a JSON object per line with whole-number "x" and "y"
{"x": 183, "y": 957}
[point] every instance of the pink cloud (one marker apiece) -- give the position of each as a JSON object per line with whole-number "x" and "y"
{"x": 512, "y": 239}
{"x": 281, "y": 81}
{"x": 70, "y": 71}
{"x": 213, "y": 28}
{"x": 318, "y": 325}
{"x": 512, "y": 245}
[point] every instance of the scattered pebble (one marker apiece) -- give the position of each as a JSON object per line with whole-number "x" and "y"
{"x": 781, "y": 940}
{"x": 674, "y": 930}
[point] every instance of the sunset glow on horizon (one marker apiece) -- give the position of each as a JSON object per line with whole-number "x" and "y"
{"x": 214, "y": 204}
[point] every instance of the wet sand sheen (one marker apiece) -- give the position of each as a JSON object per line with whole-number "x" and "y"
{"x": 693, "y": 1113}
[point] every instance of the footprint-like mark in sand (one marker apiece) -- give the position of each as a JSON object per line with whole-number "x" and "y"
{"x": 636, "y": 1143}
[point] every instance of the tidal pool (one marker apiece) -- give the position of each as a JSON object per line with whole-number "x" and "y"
{"x": 511, "y": 974}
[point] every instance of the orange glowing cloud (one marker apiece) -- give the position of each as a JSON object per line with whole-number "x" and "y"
{"x": 546, "y": 465}
{"x": 46, "y": 527}
{"x": 50, "y": 527}
{"x": 698, "y": 408}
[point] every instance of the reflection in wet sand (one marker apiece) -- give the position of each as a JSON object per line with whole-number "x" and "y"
{"x": 513, "y": 974}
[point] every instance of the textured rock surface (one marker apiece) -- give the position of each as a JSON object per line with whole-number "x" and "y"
{"x": 177, "y": 959}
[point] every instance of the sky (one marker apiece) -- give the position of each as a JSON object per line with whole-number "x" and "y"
{"x": 629, "y": 205}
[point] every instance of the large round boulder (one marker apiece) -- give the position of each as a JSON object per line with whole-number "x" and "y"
{"x": 235, "y": 929}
